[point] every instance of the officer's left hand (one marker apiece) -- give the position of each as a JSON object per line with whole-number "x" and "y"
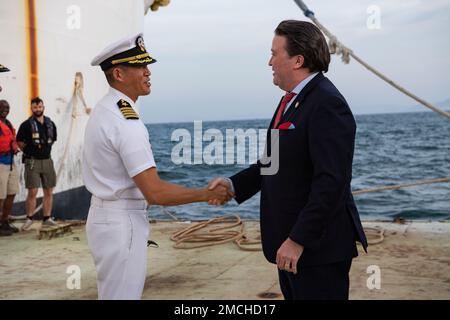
{"x": 288, "y": 255}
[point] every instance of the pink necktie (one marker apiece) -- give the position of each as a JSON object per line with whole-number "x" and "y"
{"x": 286, "y": 99}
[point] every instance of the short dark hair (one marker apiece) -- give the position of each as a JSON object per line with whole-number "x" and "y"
{"x": 304, "y": 38}
{"x": 4, "y": 102}
{"x": 36, "y": 100}
{"x": 110, "y": 75}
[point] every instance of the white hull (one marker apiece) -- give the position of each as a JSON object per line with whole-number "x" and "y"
{"x": 46, "y": 62}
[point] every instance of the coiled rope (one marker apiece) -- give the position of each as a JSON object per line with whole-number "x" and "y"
{"x": 374, "y": 235}
{"x": 201, "y": 234}
{"x": 204, "y": 234}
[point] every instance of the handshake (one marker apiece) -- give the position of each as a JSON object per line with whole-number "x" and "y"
{"x": 219, "y": 191}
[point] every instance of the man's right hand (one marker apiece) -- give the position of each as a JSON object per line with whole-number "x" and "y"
{"x": 220, "y": 183}
{"x": 218, "y": 195}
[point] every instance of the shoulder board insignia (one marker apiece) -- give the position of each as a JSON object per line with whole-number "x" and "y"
{"x": 126, "y": 110}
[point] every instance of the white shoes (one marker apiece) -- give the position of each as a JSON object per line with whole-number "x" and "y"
{"x": 27, "y": 225}
{"x": 49, "y": 222}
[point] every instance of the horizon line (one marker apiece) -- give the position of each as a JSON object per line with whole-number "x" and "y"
{"x": 247, "y": 119}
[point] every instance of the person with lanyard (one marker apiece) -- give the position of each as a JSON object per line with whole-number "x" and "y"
{"x": 9, "y": 176}
{"x": 35, "y": 138}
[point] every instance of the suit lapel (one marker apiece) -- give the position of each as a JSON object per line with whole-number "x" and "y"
{"x": 290, "y": 113}
{"x": 292, "y": 110}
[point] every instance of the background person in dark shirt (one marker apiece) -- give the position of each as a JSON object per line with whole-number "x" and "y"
{"x": 35, "y": 138}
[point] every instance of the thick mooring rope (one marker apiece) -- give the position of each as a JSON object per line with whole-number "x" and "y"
{"x": 338, "y": 48}
{"x": 203, "y": 234}
{"x": 400, "y": 186}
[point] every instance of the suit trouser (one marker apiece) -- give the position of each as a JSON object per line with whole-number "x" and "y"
{"x": 117, "y": 234}
{"x": 322, "y": 282}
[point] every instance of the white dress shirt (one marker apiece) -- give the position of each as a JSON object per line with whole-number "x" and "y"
{"x": 300, "y": 87}
{"x": 296, "y": 90}
{"x": 115, "y": 150}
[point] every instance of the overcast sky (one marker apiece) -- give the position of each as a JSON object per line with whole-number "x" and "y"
{"x": 213, "y": 54}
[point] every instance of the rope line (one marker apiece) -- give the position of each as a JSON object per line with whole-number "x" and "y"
{"x": 404, "y": 185}
{"x": 336, "y": 47}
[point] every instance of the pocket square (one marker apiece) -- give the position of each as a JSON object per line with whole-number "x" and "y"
{"x": 286, "y": 126}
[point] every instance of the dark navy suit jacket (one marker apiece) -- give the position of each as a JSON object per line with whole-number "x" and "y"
{"x": 309, "y": 199}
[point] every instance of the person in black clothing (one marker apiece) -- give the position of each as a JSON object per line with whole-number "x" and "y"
{"x": 35, "y": 138}
{"x": 309, "y": 220}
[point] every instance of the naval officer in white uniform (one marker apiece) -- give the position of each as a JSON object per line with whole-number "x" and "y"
{"x": 120, "y": 172}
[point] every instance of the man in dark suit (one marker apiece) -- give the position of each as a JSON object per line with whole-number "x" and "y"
{"x": 309, "y": 221}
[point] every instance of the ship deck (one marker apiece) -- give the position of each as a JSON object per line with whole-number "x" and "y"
{"x": 414, "y": 260}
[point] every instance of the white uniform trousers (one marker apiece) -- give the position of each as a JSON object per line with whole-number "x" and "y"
{"x": 117, "y": 234}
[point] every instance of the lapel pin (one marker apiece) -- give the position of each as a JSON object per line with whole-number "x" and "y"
{"x": 296, "y": 105}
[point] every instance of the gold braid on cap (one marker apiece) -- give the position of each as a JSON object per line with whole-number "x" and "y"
{"x": 129, "y": 59}
{"x": 148, "y": 59}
